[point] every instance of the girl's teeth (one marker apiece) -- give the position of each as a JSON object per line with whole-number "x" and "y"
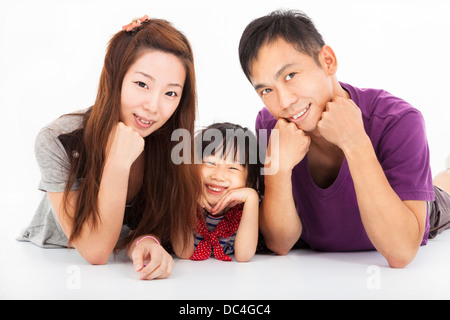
{"x": 214, "y": 189}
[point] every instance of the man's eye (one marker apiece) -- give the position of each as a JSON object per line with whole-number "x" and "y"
{"x": 290, "y": 76}
{"x": 266, "y": 91}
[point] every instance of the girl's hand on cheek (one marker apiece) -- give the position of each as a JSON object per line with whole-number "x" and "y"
{"x": 204, "y": 204}
{"x": 233, "y": 197}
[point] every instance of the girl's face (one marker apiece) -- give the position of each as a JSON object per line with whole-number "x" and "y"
{"x": 151, "y": 91}
{"x": 219, "y": 176}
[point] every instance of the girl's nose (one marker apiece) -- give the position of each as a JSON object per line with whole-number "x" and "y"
{"x": 218, "y": 175}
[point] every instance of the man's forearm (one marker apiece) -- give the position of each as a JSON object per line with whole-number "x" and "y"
{"x": 279, "y": 221}
{"x": 394, "y": 228}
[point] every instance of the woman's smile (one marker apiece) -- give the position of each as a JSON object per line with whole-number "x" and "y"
{"x": 143, "y": 122}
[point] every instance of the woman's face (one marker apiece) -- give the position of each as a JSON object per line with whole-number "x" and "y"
{"x": 151, "y": 91}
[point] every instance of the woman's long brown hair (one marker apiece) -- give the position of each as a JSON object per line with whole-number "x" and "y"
{"x": 169, "y": 193}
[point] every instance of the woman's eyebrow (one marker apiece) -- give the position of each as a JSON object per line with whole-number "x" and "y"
{"x": 145, "y": 75}
{"x": 153, "y": 79}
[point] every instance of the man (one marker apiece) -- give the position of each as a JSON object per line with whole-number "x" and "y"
{"x": 353, "y": 167}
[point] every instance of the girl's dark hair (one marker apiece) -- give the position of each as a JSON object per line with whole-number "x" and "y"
{"x": 231, "y": 139}
{"x": 293, "y": 26}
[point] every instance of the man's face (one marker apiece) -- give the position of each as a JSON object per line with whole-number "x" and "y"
{"x": 291, "y": 84}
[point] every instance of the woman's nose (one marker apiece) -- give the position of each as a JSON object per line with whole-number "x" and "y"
{"x": 151, "y": 102}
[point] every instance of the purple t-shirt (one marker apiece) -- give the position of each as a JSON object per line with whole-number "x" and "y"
{"x": 330, "y": 217}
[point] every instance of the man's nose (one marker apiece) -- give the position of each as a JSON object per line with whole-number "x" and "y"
{"x": 287, "y": 98}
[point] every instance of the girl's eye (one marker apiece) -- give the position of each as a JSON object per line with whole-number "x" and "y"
{"x": 210, "y": 163}
{"x": 172, "y": 94}
{"x": 266, "y": 91}
{"x": 236, "y": 166}
{"x": 290, "y": 76}
{"x": 141, "y": 84}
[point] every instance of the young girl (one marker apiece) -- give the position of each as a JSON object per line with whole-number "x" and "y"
{"x": 229, "y": 203}
{"x": 107, "y": 170}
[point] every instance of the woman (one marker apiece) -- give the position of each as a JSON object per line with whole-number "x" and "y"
{"x": 107, "y": 170}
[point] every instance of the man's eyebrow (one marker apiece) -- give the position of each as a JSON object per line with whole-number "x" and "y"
{"x": 259, "y": 86}
{"x": 283, "y": 69}
{"x": 153, "y": 79}
{"x": 278, "y": 74}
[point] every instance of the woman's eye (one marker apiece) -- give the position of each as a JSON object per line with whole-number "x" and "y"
{"x": 290, "y": 76}
{"x": 172, "y": 94}
{"x": 141, "y": 84}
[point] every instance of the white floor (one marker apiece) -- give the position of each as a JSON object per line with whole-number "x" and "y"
{"x": 29, "y": 272}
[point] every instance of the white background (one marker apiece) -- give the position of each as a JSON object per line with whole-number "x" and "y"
{"x": 51, "y": 56}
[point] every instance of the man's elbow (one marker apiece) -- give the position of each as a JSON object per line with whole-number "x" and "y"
{"x": 279, "y": 248}
{"x": 281, "y": 245}
{"x": 400, "y": 261}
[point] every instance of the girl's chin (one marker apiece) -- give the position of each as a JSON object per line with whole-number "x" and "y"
{"x": 212, "y": 203}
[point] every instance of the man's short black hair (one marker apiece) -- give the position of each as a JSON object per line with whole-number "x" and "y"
{"x": 293, "y": 26}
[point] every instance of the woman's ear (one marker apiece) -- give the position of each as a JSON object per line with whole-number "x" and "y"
{"x": 328, "y": 60}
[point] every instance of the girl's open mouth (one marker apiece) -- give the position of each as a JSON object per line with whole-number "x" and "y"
{"x": 214, "y": 189}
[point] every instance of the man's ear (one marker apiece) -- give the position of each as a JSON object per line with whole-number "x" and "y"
{"x": 328, "y": 60}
